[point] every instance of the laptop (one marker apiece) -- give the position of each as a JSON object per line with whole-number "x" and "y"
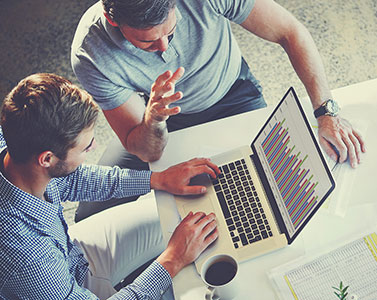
{"x": 267, "y": 192}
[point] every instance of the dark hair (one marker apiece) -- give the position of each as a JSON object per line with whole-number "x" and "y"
{"x": 140, "y": 14}
{"x": 45, "y": 112}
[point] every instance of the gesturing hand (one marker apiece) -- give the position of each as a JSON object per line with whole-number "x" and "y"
{"x": 176, "y": 179}
{"x": 347, "y": 140}
{"x": 162, "y": 94}
{"x": 191, "y": 237}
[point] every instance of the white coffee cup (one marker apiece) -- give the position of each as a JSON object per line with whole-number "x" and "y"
{"x": 219, "y": 273}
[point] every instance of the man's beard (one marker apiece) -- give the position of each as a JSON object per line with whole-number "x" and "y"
{"x": 59, "y": 170}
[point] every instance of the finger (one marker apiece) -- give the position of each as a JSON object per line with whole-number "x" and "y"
{"x": 201, "y": 170}
{"x": 360, "y": 139}
{"x": 166, "y": 101}
{"x": 194, "y": 218}
{"x": 351, "y": 152}
{"x": 208, "y": 228}
{"x": 356, "y": 146}
{"x": 328, "y": 149}
{"x": 166, "y": 112}
{"x": 193, "y": 190}
{"x": 161, "y": 80}
{"x": 210, "y": 238}
{"x": 206, "y": 220}
{"x": 339, "y": 145}
{"x": 177, "y": 75}
{"x": 205, "y": 161}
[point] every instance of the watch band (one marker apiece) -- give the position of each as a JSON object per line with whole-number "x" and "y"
{"x": 320, "y": 111}
{"x": 327, "y": 108}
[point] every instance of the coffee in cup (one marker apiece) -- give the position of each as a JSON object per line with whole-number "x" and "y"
{"x": 219, "y": 272}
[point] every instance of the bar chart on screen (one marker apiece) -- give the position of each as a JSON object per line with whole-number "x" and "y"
{"x": 291, "y": 159}
{"x": 295, "y": 182}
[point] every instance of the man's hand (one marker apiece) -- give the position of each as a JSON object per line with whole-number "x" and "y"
{"x": 176, "y": 179}
{"x": 347, "y": 140}
{"x": 162, "y": 94}
{"x": 191, "y": 237}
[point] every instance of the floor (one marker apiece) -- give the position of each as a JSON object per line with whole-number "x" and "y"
{"x": 36, "y": 37}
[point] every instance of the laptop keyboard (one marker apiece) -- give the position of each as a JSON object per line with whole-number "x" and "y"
{"x": 239, "y": 201}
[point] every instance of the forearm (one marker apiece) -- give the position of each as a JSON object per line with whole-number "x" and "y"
{"x": 148, "y": 140}
{"x": 306, "y": 61}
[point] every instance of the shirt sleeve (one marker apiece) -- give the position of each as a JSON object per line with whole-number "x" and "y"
{"x": 150, "y": 284}
{"x": 50, "y": 279}
{"x": 107, "y": 94}
{"x": 234, "y": 10}
{"x": 100, "y": 183}
{"x": 45, "y": 279}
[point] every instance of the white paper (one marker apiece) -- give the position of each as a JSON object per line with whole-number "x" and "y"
{"x": 313, "y": 277}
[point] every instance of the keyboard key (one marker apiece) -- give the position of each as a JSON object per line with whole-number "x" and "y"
{"x": 232, "y": 166}
{"x": 236, "y": 239}
{"x": 246, "y": 225}
{"x": 244, "y": 239}
{"x": 229, "y": 221}
{"x": 223, "y": 205}
{"x": 226, "y": 169}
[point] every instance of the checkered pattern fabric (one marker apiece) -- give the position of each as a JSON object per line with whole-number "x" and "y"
{"x": 38, "y": 260}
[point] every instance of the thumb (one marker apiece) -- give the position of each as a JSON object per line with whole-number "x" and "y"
{"x": 194, "y": 190}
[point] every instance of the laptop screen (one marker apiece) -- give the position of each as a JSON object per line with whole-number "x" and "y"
{"x": 295, "y": 168}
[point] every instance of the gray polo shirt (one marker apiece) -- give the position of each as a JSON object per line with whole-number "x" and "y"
{"x": 110, "y": 68}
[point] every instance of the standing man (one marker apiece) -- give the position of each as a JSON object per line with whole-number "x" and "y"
{"x": 121, "y": 46}
{"x": 47, "y": 128}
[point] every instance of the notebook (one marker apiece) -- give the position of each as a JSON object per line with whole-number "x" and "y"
{"x": 267, "y": 192}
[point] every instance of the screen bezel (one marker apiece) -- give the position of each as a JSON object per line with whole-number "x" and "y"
{"x": 266, "y": 183}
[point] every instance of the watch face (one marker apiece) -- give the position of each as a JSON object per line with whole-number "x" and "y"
{"x": 332, "y": 107}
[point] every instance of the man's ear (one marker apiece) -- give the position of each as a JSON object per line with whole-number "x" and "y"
{"x": 110, "y": 20}
{"x": 46, "y": 159}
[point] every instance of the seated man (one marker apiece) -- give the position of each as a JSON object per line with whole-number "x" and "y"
{"x": 47, "y": 128}
{"x": 121, "y": 46}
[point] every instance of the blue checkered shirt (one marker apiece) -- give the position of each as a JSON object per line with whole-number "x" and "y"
{"x": 38, "y": 260}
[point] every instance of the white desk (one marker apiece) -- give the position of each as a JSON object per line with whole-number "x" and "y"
{"x": 358, "y": 102}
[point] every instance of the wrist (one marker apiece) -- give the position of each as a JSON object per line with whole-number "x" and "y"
{"x": 156, "y": 181}
{"x": 172, "y": 265}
